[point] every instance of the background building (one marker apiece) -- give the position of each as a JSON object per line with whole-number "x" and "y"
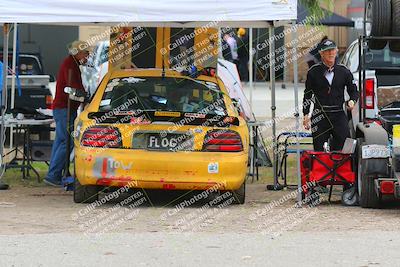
{"x": 49, "y": 41}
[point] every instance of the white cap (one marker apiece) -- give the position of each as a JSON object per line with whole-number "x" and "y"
{"x": 78, "y": 46}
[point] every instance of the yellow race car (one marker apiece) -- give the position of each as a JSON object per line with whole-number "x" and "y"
{"x": 155, "y": 129}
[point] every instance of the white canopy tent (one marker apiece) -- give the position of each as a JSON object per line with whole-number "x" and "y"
{"x": 158, "y": 13}
{"x": 155, "y": 12}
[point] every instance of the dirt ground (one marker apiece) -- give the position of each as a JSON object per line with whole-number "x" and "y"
{"x": 42, "y": 226}
{"x": 34, "y": 210}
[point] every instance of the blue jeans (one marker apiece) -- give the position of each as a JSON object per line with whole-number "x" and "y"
{"x": 58, "y": 151}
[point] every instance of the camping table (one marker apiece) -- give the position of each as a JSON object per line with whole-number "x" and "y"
{"x": 26, "y": 125}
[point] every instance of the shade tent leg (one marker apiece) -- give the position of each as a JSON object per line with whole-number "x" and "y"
{"x": 4, "y": 89}
{"x": 3, "y": 101}
{"x": 251, "y": 98}
{"x": 273, "y": 102}
{"x": 251, "y": 66}
{"x": 14, "y": 69}
{"x": 297, "y": 110}
{"x": 276, "y": 185}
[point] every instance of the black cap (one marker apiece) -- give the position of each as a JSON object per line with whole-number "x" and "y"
{"x": 326, "y": 45}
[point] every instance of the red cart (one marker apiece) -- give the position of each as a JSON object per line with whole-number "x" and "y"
{"x": 320, "y": 169}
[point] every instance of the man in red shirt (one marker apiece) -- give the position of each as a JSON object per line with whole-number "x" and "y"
{"x": 68, "y": 75}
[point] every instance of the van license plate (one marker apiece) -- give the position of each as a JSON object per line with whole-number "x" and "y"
{"x": 375, "y": 151}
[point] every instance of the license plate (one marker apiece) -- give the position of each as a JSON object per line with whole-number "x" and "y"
{"x": 375, "y": 151}
{"x": 170, "y": 142}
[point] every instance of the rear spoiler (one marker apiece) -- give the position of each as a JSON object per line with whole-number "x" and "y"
{"x": 179, "y": 118}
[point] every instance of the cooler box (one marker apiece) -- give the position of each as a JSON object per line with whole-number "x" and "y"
{"x": 41, "y": 150}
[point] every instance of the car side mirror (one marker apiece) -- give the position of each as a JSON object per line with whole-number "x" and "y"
{"x": 75, "y": 94}
{"x": 52, "y": 78}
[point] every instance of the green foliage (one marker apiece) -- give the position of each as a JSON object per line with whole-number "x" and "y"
{"x": 316, "y": 12}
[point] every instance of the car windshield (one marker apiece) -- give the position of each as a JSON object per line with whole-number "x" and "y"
{"x": 168, "y": 94}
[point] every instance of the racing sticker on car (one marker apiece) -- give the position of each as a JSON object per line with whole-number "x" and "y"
{"x": 105, "y": 167}
{"x": 133, "y": 80}
{"x": 197, "y": 130}
{"x": 213, "y": 167}
{"x": 195, "y": 115}
{"x": 219, "y": 111}
{"x": 167, "y": 114}
{"x": 109, "y": 88}
{"x": 113, "y": 83}
{"x": 211, "y": 85}
{"x": 105, "y": 102}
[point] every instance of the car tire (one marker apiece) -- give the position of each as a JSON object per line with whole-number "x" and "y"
{"x": 239, "y": 195}
{"x": 379, "y": 12}
{"x": 394, "y": 45}
{"x": 85, "y": 193}
{"x": 365, "y": 182}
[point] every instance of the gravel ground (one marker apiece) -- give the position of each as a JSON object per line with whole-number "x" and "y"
{"x": 41, "y": 226}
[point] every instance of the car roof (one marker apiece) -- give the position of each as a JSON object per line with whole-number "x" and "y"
{"x": 157, "y": 73}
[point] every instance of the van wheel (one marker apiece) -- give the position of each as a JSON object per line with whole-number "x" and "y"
{"x": 394, "y": 45}
{"x": 379, "y": 16}
{"x": 368, "y": 197}
{"x": 85, "y": 193}
{"x": 366, "y": 185}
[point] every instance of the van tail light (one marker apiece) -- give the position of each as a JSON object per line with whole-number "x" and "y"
{"x": 102, "y": 136}
{"x": 369, "y": 94}
{"x": 222, "y": 141}
{"x": 49, "y": 101}
{"x": 387, "y": 187}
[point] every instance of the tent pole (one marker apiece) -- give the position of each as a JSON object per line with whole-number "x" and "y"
{"x": 251, "y": 66}
{"x": 296, "y": 113}
{"x": 4, "y": 91}
{"x": 219, "y": 45}
{"x": 273, "y": 107}
{"x": 14, "y": 63}
{"x": 284, "y": 67}
{"x": 251, "y": 98}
